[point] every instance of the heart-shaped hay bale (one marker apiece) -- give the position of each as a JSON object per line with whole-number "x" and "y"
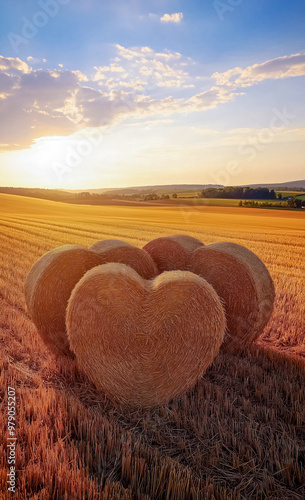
{"x": 48, "y": 288}
{"x": 124, "y": 253}
{"x": 172, "y": 252}
{"x": 243, "y": 282}
{"x": 144, "y": 342}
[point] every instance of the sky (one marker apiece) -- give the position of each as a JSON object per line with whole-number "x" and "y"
{"x": 98, "y": 94}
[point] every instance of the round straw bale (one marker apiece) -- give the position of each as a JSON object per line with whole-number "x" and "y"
{"x": 243, "y": 282}
{"x": 172, "y": 253}
{"x": 143, "y": 342}
{"x": 124, "y": 253}
{"x": 48, "y": 288}
{"x": 104, "y": 245}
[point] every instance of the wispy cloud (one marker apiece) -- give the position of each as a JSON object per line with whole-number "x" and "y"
{"x": 35, "y": 60}
{"x": 143, "y": 67}
{"x": 172, "y": 18}
{"x": 281, "y": 67}
{"x": 242, "y": 136}
{"x": 113, "y": 68}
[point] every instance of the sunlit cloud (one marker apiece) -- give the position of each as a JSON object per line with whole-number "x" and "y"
{"x": 159, "y": 69}
{"x": 172, "y": 18}
{"x": 281, "y": 67}
{"x": 113, "y": 68}
{"x": 13, "y": 65}
{"x": 137, "y": 83}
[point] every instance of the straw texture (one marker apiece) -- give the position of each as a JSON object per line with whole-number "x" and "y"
{"x": 144, "y": 342}
{"x": 124, "y": 253}
{"x": 243, "y": 282}
{"x": 172, "y": 252}
{"x": 48, "y": 288}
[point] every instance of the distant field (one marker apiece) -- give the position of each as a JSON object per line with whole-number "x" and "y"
{"x": 190, "y": 197}
{"x": 213, "y": 202}
{"x": 291, "y": 193}
{"x": 240, "y": 434}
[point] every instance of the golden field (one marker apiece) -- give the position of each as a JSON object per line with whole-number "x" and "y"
{"x": 239, "y": 434}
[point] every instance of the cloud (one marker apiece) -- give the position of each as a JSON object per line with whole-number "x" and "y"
{"x": 210, "y": 98}
{"x": 139, "y": 83}
{"x": 58, "y": 102}
{"x": 13, "y": 65}
{"x": 33, "y": 60}
{"x": 247, "y": 136}
{"x": 146, "y": 67}
{"x": 172, "y": 18}
{"x": 113, "y": 68}
{"x": 151, "y": 123}
{"x": 37, "y": 103}
{"x": 7, "y": 84}
{"x": 281, "y": 67}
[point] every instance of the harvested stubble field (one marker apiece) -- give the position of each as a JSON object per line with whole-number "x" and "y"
{"x": 239, "y": 434}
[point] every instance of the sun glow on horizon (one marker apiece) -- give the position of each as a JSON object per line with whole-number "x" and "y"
{"x": 148, "y": 154}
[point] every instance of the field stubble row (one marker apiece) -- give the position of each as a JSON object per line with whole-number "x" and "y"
{"x": 239, "y": 434}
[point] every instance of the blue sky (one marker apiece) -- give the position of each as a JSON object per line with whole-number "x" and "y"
{"x": 177, "y": 91}
{"x": 81, "y": 31}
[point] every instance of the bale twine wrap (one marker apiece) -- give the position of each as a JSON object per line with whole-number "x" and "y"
{"x": 172, "y": 253}
{"x": 143, "y": 342}
{"x": 243, "y": 282}
{"x": 124, "y": 253}
{"x": 48, "y": 288}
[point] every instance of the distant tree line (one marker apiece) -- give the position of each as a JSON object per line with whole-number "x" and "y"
{"x": 247, "y": 196}
{"x": 246, "y": 193}
{"x": 292, "y": 202}
{"x": 287, "y": 188}
{"x": 47, "y": 194}
{"x": 154, "y": 196}
{"x": 85, "y": 195}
